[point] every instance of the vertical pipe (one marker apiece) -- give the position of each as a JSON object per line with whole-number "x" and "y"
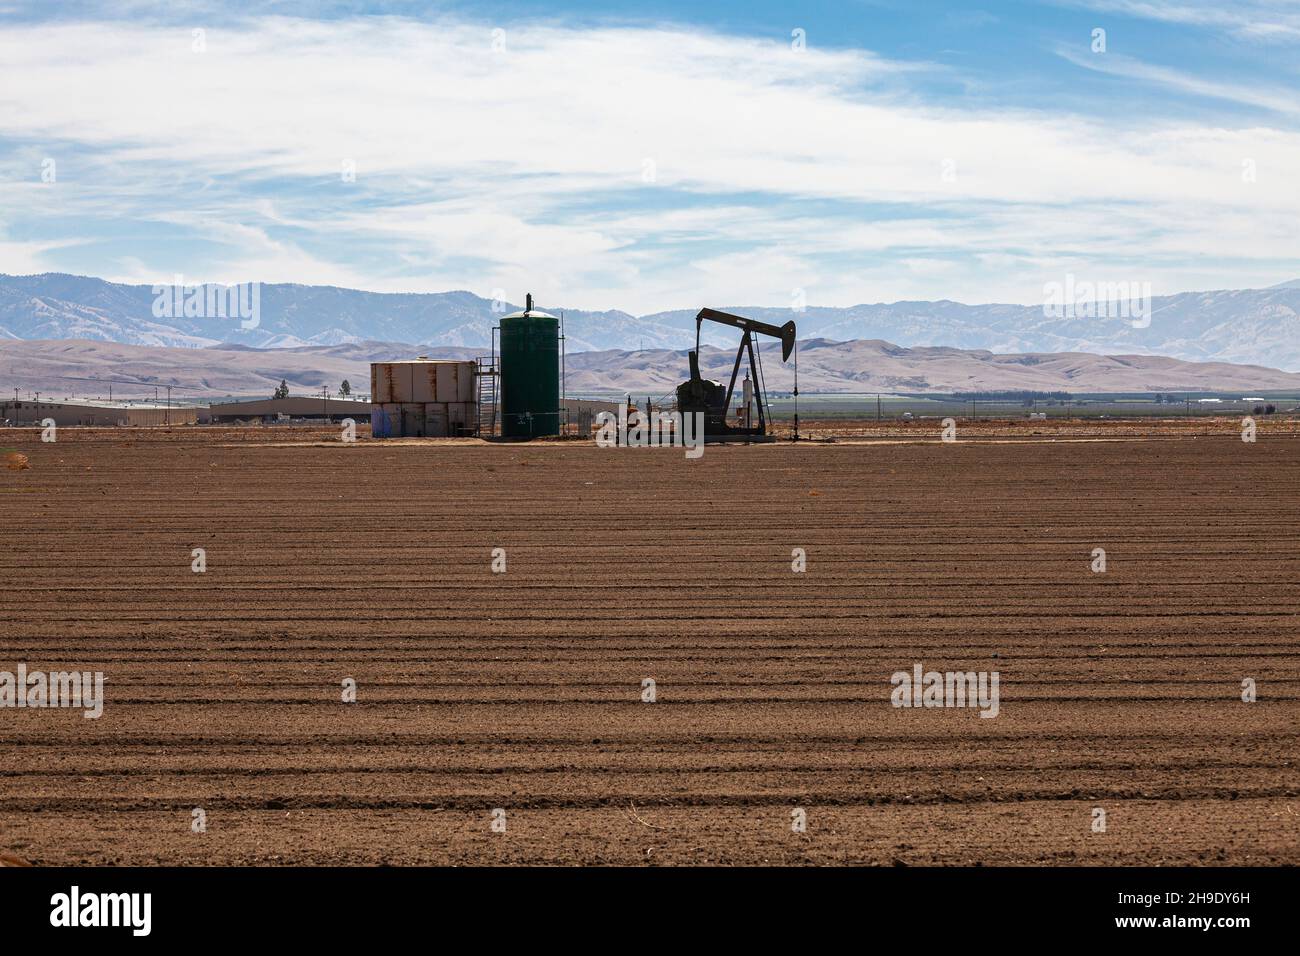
{"x": 563, "y": 390}
{"x": 796, "y": 392}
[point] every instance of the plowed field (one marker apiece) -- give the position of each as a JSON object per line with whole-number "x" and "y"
{"x": 523, "y": 691}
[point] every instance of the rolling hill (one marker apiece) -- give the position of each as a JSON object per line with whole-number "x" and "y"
{"x": 84, "y": 368}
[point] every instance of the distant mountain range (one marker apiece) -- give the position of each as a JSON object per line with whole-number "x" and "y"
{"x": 82, "y": 368}
{"x": 1255, "y": 326}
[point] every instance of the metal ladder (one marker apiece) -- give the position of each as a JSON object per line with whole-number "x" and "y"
{"x": 485, "y": 369}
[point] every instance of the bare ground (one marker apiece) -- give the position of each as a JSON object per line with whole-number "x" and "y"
{"x": 522, "y": 691}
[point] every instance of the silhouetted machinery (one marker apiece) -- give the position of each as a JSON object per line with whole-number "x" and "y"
{"x": 701, "y": 395}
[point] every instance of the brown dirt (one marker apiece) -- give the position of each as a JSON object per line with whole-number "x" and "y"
{"x": 522, "y": 690}
{"x": 1062, "y": 429}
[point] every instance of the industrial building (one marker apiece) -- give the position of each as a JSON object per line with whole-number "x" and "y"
{"x": 279, "y": 409}
{"x": 515, "y": 394}
{"x": 424, "y": 399}
{"x": 432, "y": 399}
{"x": 75, "y": 411}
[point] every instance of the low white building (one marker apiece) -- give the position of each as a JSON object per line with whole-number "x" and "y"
{"x": 78, "y": 411}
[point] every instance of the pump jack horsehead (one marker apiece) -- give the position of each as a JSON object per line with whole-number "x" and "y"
{"x": 701, "y": 395}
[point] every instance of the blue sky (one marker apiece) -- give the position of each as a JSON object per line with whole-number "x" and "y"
{"x": 620, "y": 155}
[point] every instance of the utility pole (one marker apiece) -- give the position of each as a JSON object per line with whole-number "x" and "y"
{"x": 877, "y": 406}
{"x": 324, "y": 402}
{"x": 167, "y": 419}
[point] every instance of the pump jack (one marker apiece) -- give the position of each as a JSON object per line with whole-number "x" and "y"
{"x": 701, "y": 395}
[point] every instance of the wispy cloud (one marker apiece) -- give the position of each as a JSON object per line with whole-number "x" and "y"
{"x": 1277, "y": 98}
{"x": 1245, "y": 19}
{"x": 611, "y": 166}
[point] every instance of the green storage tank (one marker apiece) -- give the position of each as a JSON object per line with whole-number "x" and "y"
{"x": 530, "y": 374}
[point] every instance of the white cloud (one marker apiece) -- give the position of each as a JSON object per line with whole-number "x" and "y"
{"x": 522, "y": 169}
{"x": 29, "y": 258}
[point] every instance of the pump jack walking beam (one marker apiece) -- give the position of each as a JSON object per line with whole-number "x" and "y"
{"x": 784, "y": 332}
